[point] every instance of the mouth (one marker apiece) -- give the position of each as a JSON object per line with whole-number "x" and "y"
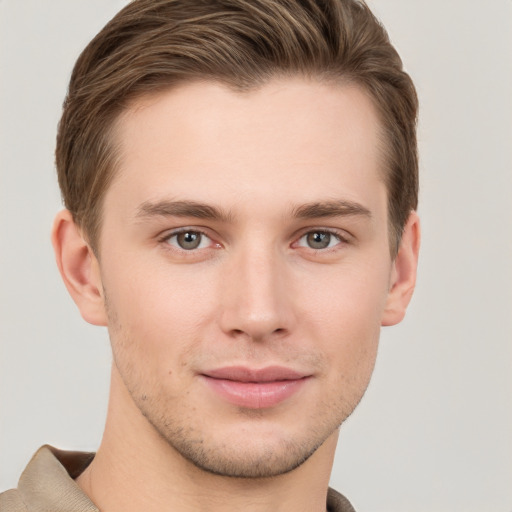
{"x": 254, "y": 388}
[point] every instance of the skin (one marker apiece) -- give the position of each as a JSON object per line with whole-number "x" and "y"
{"x": 274, "y": 171}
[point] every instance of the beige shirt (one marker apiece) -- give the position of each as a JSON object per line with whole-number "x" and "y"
{"x": 48, "y": 485}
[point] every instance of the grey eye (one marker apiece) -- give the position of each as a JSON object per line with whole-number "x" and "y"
{"x": 188, "y": 240}
{"x": 318, "y": 239}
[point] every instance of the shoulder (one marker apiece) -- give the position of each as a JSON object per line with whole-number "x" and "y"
{"x": 47, "y": 484}
{"x": 336, "y": 502}
{"x": 10, "y": 501}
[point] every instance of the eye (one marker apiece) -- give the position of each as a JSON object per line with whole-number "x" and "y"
{"x": 319, "y": 240}
{"x": 189, "y": 240}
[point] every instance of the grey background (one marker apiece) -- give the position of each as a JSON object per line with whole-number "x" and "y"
{"x": 434, "y": 432}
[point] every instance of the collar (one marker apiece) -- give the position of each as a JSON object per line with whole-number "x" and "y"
{"x": 48, "y": 482}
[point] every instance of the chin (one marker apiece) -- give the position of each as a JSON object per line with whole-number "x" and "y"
{"x": 245, "y": 460}
{"x": 254, "y": 445}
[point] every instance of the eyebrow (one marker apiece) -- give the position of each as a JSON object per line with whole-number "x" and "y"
{"x": 339, "y": 208}
{"x": 315, "y": 210}
{"x": 168, "y": 208}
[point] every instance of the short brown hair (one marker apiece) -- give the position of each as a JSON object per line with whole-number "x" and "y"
{"x": 151, "y": 45}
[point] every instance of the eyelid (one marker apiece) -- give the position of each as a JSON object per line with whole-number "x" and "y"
{"x": 341, "y": 234}
{"x": 168, "y": 234}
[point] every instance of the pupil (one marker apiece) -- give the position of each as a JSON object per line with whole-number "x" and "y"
{"x": 319, "y": 240}
{"x": 189, "y": 240}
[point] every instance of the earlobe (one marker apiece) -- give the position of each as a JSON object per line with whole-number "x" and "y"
{"x": 403, "y": 278}
{"x": 79, "y": 268}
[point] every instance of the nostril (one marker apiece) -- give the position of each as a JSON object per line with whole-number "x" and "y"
{"x": 252, "y": 334}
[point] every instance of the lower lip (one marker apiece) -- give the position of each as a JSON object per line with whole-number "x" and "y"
{"x": 255, "y": 395}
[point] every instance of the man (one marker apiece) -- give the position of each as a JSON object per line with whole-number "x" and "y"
{"x": 240, "y": 183}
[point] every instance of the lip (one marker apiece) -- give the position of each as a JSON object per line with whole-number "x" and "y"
{"x": 255, "y": 388}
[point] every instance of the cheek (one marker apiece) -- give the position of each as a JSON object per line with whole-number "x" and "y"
{"x": 156, "y": 314}
{"x": 345, "y": 316}
{"x": 349, "y": 341}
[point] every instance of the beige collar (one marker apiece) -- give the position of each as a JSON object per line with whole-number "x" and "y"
{"x": 48, "y": 482}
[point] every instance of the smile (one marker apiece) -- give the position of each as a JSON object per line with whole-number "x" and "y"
{"x": 254, "y": 389}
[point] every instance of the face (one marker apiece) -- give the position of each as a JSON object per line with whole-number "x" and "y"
{"x": 244, "y": 258}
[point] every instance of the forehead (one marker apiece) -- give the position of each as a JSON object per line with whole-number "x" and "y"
{"x": 293, "y": 137}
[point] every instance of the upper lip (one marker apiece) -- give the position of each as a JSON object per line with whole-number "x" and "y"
{"x": 244, "y": 374}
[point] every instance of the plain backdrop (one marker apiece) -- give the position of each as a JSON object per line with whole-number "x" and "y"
{"x": 434, "y": 431}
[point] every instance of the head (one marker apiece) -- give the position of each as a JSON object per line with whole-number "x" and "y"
{"x": 153, "y": 45}
{"x": 240, "y": 179}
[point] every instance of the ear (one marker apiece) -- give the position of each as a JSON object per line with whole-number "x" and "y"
{"x": 403, "y": 275}
{"x": 79, "y": 268}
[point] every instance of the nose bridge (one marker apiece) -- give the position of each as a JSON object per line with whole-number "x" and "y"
{"x": 256, "y": 301}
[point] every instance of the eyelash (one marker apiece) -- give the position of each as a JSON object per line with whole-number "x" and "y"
{"x": 341, "y": 237}
{"x": 168, "y": 236}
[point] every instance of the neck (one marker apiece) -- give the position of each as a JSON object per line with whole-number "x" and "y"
{"x": 136, "y": 469}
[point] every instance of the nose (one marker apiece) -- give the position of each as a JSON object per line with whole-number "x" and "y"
{"x": 257, "y": 296}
